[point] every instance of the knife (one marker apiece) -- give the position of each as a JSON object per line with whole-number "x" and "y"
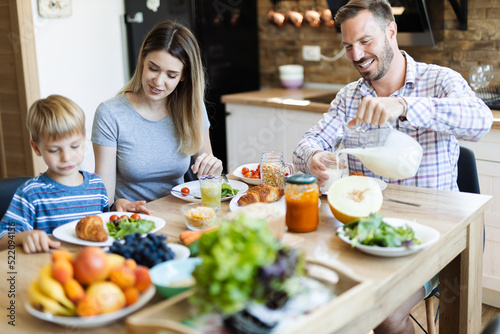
{"x": 184, "y": 194}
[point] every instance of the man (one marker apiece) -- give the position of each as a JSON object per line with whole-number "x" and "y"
{"x": 432, "y": 104}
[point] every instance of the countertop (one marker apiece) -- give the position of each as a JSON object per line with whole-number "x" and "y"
{"x": 298, "y": 99}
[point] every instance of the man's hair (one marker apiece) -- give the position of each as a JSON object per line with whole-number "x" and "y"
{"x": 56, "y": 117}
{"x": 381, "y": 10}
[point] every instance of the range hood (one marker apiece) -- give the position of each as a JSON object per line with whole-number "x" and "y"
{"x": 420, "y": 23}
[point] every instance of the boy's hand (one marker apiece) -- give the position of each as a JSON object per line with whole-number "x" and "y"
{"x": 138, "y": 206}
{"x": 37, "y": 241}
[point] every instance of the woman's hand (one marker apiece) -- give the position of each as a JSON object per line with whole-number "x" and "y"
{"x": 123, "y": 204}
{"x": 37, "y": 241}
{"x": 207, "y": 164}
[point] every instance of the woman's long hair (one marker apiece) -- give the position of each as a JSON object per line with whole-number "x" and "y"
{"x": 185, "y": 103}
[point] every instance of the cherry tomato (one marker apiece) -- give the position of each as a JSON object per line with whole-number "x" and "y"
{"x": 248, "y": 175}
{"x": 135, "y": 216}
{"x": 185, "y": 191}
{"x": 124, "y": 216}
{"x": 113, "y": 218}
{"x": 244, "y": 170}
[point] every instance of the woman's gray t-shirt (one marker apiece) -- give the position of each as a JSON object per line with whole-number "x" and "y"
{"x": 148, "y": 163}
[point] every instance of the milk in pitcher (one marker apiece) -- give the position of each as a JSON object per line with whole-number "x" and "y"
{"x": 398, "y": 158}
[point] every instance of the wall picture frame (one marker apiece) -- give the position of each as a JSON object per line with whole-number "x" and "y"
{"x": 54, "y": 8}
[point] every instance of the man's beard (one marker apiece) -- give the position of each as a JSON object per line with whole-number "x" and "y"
{"x": 384, "y": 63}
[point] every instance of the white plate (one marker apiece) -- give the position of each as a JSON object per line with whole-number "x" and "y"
{"x": 95, "y": 321}
{"x": 67, "y": 232}
{"x": 281, "y": 204}
{"x": 181, "y": 252}
{"x": 194, "y": 189}
{"x": 425, "y": 234}
{"x": 237, "y": 173}
{"x": 382, "y": 184}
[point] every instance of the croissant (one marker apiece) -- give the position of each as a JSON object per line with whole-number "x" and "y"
{"x": 263, "y": 193}
{"x": 91, "y": 228}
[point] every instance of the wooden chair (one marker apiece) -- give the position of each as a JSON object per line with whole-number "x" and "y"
{"x": 468, "y": 182}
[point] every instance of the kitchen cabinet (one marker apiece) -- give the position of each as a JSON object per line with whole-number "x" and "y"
{"x": 487, "y": 152}
{"x": 250, "y": 130}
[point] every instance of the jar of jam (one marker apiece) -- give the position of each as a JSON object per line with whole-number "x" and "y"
{"x": 302, "y": 196}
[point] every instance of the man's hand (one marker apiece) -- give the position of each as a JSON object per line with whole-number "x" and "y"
{"x": 379, "y": 110}
{"x": 138, "y": 206}
{"x": 317, "y": 168}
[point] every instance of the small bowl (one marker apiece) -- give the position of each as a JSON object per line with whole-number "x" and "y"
{"x": 291, "y": 76}
{"x": 252, "y": 166}
{"x": 199, "y": 216}
{"x": 175, "y": 276}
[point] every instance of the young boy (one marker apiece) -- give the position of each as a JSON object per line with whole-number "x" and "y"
{"x": 63, "y": 193}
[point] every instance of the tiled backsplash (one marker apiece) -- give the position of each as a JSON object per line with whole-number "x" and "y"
{"x": 459, "y": 49}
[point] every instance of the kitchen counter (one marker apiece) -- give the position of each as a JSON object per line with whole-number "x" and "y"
{"x": 296, "y": 99}
{"x": 305, "y": 99}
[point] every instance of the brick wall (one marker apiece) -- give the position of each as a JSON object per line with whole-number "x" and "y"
{"x": 459, "y": 49}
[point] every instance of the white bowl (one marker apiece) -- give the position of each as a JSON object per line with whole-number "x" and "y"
{"x": 291, "y": 76}
{"x": 252, "y": 166}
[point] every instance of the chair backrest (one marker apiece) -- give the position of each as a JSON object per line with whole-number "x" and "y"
{"x": 493, "y": 327}
{"x": 190, "y": 176}
{"x": 8, "y": 187}
{"x": 467, "y": 171}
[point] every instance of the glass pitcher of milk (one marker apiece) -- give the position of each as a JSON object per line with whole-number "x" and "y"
{"x": 385, "y": 151}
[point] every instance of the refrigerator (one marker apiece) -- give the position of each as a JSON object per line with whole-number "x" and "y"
{"x": 227, "y": 33}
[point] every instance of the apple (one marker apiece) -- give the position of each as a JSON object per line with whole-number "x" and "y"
{"x": 354, "y": 197}
{"x": 91, "y": 265}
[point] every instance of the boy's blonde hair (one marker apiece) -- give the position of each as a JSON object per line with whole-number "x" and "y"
{"x": 56, "y": 117}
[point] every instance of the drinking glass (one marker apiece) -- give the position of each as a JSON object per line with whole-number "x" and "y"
{"x": 335, "y": 167}
{"x": 210, "y": 186}
{"x": 480, "y": 76}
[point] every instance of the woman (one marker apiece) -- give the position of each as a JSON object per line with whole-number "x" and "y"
{"x": 144, "y": 137}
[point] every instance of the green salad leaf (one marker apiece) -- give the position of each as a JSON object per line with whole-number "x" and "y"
{"x": 124, "y": 226}
{"x": 227, "y": 191}
{"x": 235, "y": 264}
{"x": 373, "y": 231}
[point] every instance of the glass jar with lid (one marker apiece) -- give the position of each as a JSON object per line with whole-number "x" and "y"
{"x": 302, "y": 196}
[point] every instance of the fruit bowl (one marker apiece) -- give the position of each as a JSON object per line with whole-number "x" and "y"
{"x": 175, "y": 276}
{"x": 199, "y": 216}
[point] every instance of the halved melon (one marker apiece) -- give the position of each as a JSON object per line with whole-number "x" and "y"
{"x": 354, "y": 197}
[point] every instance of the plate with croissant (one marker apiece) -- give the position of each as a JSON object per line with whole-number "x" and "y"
{"x": 92, "y": 230}
{"x": 262, "y": 193}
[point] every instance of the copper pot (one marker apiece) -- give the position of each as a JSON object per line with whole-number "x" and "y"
{"x": 294, "y": 17}
{"x": 327, "y": 18}
{"x": 276, "y": 18}
{"x": 312, "y": 17}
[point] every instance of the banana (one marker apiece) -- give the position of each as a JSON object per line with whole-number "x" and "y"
{"x": 52, "y": 288}
{"x": 41, "y": 302}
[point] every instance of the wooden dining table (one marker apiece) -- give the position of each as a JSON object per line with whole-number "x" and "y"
{"x": 386, "y": 282}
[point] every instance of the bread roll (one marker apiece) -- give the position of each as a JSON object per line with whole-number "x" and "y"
{"x": 263, "y": 193}
{"x": 91, "y": 228}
